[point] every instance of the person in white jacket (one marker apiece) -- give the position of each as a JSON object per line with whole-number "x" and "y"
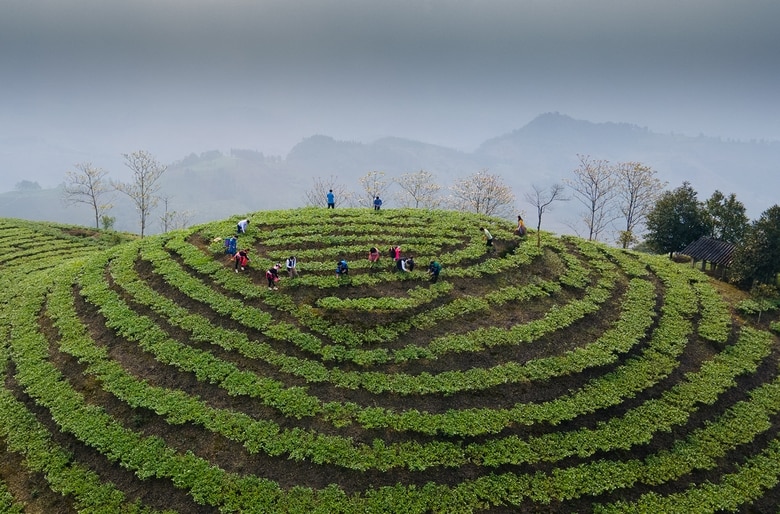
{"x": 292, "y": 266}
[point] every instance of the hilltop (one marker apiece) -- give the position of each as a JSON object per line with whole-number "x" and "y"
{"x": 149, "y": 376}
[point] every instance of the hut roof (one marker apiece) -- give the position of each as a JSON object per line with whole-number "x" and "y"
{"x": 711, "y": 250}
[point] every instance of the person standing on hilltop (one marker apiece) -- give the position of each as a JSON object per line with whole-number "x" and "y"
{"x": 377, "y": 203}
{"x": 521, "y": 230}
{"x": 331, "y": 198}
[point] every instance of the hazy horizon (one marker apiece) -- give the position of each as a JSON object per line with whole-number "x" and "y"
{"x": 105, "y": 78}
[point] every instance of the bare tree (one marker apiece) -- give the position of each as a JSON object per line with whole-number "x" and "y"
{"x": 374, "y": 184}
{"x": 145, "y": 185}
{"x": 173, "y": 220}
{"x": 317, "y": 195}
{"x": 542, "y": 199}
{"x": 637, "y": 191}
{"x": 88, "y": 185}
{"x": 595, "y": 186}
{"x": 483, "y": 193}
{"x": 418, "y": 190}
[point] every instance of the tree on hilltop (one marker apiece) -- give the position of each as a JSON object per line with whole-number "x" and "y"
{"x": 172, "y": 219}
{"x": 637, "y": 191}
{"x": 374, "y": 184}
{"x": 483, "y": 193}
{"x": 419, "y": 190}
{"x": 542, "y": 199}
{"x": 145, "y": 185}
{"x": 757, "y": 257}
{"x": 727, "y": 218}
{"x": 677, "y": 219}
{"x": 317, "y": 195}
{"x": 27, "y": 185}
{"x": 595, "y": 187}
{"x": 88, "y": 185}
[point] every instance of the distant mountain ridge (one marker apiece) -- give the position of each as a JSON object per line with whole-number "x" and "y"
{"x": 544, "y": 151}
{"x": 390, "y": 154}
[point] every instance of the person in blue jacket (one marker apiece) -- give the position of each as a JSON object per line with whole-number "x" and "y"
{"x": 377, "y": 203}
{"x": 342, "y": 268}
{"x": 331, "y": 199}
{"x": 231, "y": 245}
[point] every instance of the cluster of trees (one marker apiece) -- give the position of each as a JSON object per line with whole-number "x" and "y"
{"x": 679, "y": 218}
{"x": 626, "y": 193}
{"x": 623, "y": 192}
{"x": 91, "y": 186}
{"x": 27, "y": 185}
{"x": 481, "y": 192}
{"x": 608, "y": 191}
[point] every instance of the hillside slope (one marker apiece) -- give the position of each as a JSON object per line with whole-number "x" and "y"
{"x": 153, "y": 376}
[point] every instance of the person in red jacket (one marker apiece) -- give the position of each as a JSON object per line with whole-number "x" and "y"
{"x": 241, "y": 259}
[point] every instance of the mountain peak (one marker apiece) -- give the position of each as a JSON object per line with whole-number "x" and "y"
{"x": 556, "y": 121}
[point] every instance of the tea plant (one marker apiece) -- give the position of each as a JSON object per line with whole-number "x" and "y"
{"x": 149, "y": 376}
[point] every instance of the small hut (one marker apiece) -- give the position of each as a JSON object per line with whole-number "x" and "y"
{"x": 707, "y": 250}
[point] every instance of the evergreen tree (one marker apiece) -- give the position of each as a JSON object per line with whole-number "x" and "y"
{"x": 677, "y": 219}
{"x": 727, "y": 216}
{"x": 757, "y": 258}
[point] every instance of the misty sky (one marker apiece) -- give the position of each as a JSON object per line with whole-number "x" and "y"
{"x": 173, "y": 77}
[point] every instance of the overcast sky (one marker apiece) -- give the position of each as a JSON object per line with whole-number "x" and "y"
{"x": 173, "y": 77}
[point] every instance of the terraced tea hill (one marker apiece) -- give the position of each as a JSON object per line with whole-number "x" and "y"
{"x": 27, "y": 246}
{"x": 568, "y": 377}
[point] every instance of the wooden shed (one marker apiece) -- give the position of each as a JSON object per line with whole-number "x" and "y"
{"x": 707, "y": 250}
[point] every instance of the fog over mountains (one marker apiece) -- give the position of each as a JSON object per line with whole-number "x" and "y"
{"x": 216, "y": 183}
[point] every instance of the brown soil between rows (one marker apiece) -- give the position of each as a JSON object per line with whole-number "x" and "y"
{"x": 233, "y": 457}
